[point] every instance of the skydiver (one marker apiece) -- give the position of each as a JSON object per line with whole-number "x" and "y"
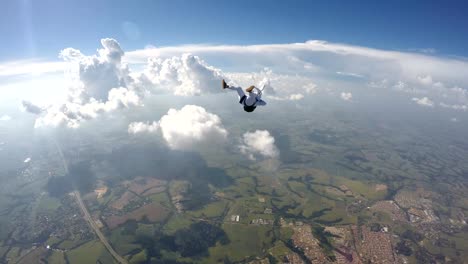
{"x": 249, "y": 101}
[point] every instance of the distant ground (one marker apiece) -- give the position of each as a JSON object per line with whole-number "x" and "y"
{"x": 345, "y": 189}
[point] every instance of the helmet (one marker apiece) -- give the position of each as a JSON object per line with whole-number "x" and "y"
{"x": 249, "y": 108}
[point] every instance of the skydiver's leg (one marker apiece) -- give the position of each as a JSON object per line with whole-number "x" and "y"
{"x": 239, "y": 91}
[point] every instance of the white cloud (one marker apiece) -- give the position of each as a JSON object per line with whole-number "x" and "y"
{"x": 140, "y": 127}
{"x": 96, "y": 75}
{"x": 185, "y": 75}
{"x": 300, "y": 69}
{"x": 30, "y": 67}
{"x": 186, "y": 128}
{"x": 373, "y": 63}
{"x": 454, "y": 119}
{"x": 423, "y": 101}
{"x": 103, "y": 83}
{"x": 350, "y": 74}
{"x": 346, "y": 96}
{"x": 97, "y": 84}
{"x": 258, "y": 143}
{"x": 455, "y": 106}
{"x": 426, "y": 80}
{"x": 401, "y": 86}
{"x": 5, "y": 118}
{"x": 31, "y": 108}
{"x": 71, "y": 114}
{"x": 295, "y": 97}
{"x": 291, "y": 97}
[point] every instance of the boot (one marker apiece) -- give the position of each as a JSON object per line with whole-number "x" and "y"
{"x": 223, "y": 83}
{"x": 250, "y": 89}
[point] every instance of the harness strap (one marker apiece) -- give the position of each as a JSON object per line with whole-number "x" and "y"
{"x": 242, "y": 100}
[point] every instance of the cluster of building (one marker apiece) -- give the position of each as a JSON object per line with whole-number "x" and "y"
{"x": 309, "y": 245}
{"x": 376, "y": 246}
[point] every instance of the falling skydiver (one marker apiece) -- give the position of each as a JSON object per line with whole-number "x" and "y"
{"x": 249, "y": 101}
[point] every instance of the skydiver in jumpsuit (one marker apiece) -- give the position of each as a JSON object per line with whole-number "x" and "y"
{"x": 251, "y": 100}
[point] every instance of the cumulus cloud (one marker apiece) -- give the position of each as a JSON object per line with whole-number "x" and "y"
{"x": 424, "y": 101}
{"x": 185, "y": 75}
{"x": 5, "y": 118}
{"x": 97, "y": 84}
{"x": 31, "y": 108}
{"x": 186, "y": 128}
{"x": 258, "y": 144}
{"x": 71, "y": 114}
{"x": 96, "y": 75}
{"x": 141, "y": 127}
{"x": 103, "y": 82}
{"x": 346, "y": 96}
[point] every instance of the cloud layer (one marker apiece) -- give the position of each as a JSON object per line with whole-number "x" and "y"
{"x": 105, "y": 82}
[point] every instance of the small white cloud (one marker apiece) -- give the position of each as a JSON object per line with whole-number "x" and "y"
{"x": 295, "y": 97}
{"x": 426, "y": 80}
{"x": 382, "y": 84}
{"x": 423, "y": 101}
{"x": 186, "y": 128}
{"x": 401, "y": 86}
{"x": 140, "y": 127}
{"x": 310, "y": 88}
{"x": 258, "y": 143}
{"x": 454, "y": 119}
{"x": 5, "y": 118}
{"x": 27, "y": 160}
{"x": 427, "y": 50}
{"x": 350, "y": 74}
{"x": 346, "y": 96}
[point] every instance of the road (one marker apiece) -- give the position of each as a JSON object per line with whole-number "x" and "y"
{"x": 96, "y": 229}
{"x": 88, "y": 217}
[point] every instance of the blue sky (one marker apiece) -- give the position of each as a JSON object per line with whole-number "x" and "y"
{"x": 40, "y": 29}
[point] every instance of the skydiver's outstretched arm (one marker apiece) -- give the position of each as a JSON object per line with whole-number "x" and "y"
{"x": 260, "y": 102}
